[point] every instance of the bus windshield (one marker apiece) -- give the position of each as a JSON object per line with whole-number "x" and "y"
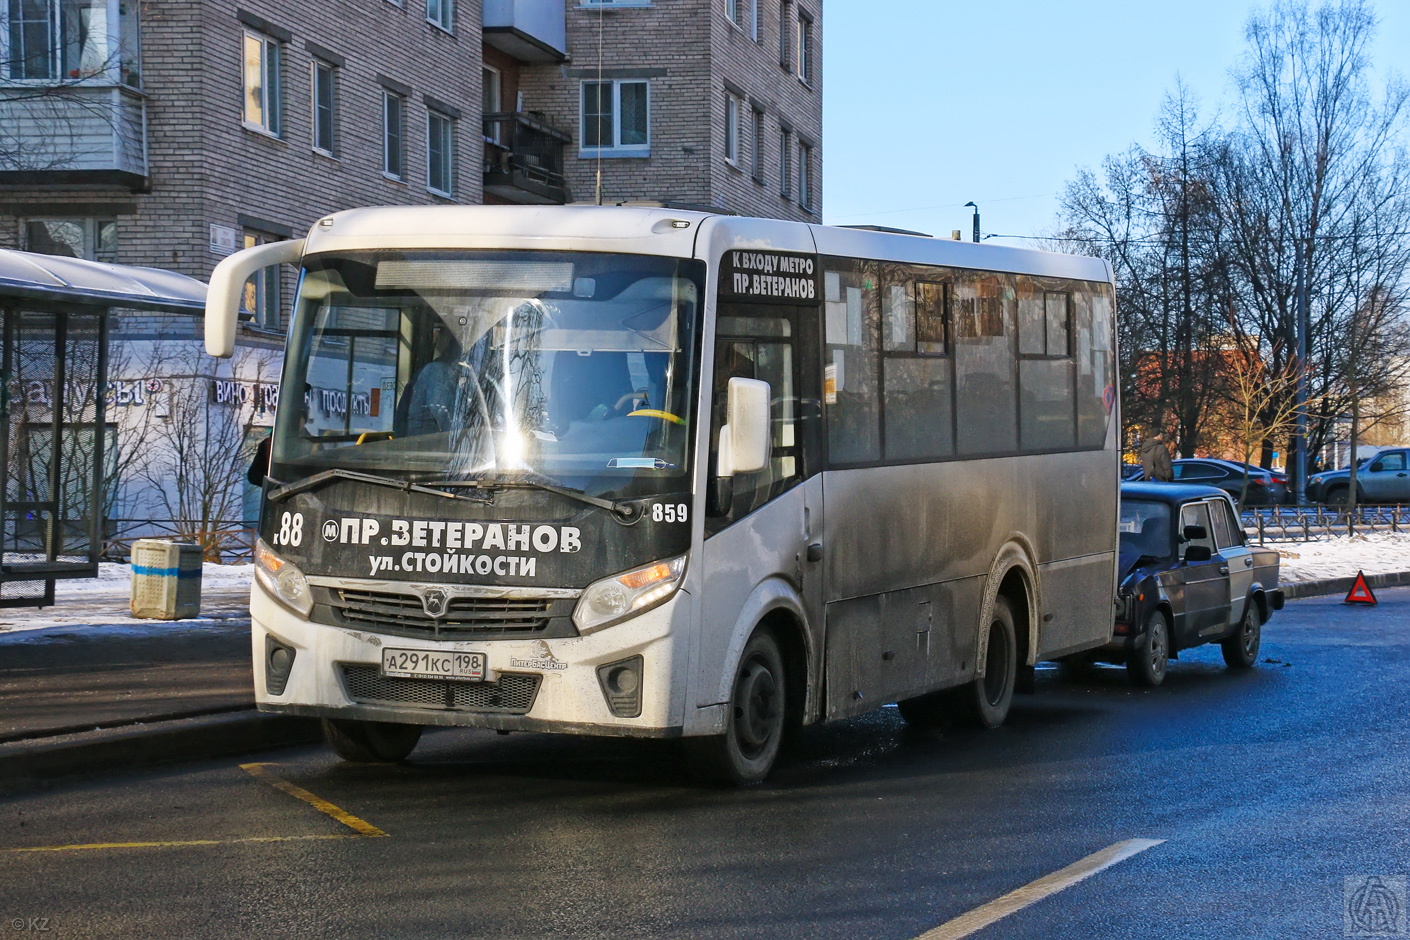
{"x": 493, "y": 365}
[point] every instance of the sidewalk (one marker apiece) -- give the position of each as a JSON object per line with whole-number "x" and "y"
{"x": 100, "y": 689}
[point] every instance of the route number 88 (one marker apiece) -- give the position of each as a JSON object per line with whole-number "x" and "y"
{"x": 291, "y": 530}
{"x": 668, "y": 512}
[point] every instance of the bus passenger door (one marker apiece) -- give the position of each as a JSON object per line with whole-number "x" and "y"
{"x": 762, "y": 525}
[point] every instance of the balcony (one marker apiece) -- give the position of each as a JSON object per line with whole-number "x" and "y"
{"x": 528, "y": 30}
{"x": 74, "y": 133}
{"x": 524, "y": 159}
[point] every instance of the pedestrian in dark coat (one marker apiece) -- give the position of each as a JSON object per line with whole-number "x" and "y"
{"x": 1155, "y": 459}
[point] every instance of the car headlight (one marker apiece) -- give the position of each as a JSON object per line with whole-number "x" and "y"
{"x": 612, "y": 599}
{"x": 282, "y": 578}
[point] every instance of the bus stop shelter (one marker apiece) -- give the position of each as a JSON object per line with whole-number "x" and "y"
{"x": 53, "y": 407}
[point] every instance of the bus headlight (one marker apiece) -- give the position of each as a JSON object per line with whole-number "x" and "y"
{"x": 282, "y": 578}
{"x": 612, "y": 599}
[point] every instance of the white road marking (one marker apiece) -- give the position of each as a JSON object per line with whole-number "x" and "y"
{"x": 1035, "y": 891}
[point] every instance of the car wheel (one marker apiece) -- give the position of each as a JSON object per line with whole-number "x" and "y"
{"x": 370, "y": 742}
{"x": 754, "y": 729}
{"x": 1336, "y": 495}
{"x": 1241, "y": 649}
{"x": 1151, "y": 656}
{"x": 985, "y": 701}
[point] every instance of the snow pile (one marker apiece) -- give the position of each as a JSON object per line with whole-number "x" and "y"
{"x": 1342, "y": 557}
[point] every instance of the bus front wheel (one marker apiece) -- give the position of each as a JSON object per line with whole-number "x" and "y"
{"x": 985, "y": 701}
{"x": 754, "y": 728}
{"x": 370, "y": 742}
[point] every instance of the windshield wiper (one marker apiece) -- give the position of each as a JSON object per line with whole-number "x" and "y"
{"x": 624, "y": 511}
{"x": 323, "y": 476}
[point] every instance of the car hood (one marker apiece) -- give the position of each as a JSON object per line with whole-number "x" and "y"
{"x": 1132, "y": 565}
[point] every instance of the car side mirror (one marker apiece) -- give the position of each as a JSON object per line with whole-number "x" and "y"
{"x": 1194, "y": 533}
{"x": 1197, "y": 553}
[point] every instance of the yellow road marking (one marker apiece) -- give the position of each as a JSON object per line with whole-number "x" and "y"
{"x": 90, "y": 846}
{"x": 360, "y": 826}
{"x": 1035, "y": 891}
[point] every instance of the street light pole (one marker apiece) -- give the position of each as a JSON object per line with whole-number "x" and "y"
{"x": 1300, "y": 396}
{"x": 970, "y": 205}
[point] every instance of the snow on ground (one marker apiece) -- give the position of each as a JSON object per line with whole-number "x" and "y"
{"x": 1342, "y": 557}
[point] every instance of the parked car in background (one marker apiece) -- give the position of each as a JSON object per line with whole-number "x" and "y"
{"x": 1385, "y": 478}
{"x": 1280, "y": 477}
{"x": 1132, "y": 471}
{"x": 1187, "y": 576}
{"x": 1229, "y": 477}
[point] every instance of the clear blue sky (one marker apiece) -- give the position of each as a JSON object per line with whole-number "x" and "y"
{"x": 929, "y": 104}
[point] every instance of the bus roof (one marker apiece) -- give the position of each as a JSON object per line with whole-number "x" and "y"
{"x": 663, "y": 231}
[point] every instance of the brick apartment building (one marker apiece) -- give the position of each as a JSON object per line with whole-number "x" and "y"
{"x": 170, "y": 133}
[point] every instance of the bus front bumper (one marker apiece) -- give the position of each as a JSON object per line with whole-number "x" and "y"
{"x": 553, "y": 685}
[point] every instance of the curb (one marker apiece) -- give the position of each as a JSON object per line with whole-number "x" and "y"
{"x": 133, "y": 747}
{"x": 1295, "y": 589}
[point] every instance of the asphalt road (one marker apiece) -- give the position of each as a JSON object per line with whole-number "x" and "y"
{"x": 1278, "y": 794}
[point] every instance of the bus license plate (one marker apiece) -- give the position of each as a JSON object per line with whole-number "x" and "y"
{"x": 433, "y": 664}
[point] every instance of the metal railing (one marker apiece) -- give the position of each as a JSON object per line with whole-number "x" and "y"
{"x": 524, "y": 155}
{"x": 225, "y": 540}
{"x": 1309, "y": 523}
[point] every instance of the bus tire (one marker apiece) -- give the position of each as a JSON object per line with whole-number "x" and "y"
{"x": 985, "y": 701}
{"x": 370, "y": 742}
{"x": 754, "y": 728}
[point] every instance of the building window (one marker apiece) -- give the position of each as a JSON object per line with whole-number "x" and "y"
{"x": 785, "y": 162}
{"x": 323, "y": 110}
{"x": 616, "y": 117}
{"x": 745, "y": 15}
{"x": 393, "y": 135}
{"x": 803, "y": 53}
{"x": 758, "y": 143}
{"x": 805, "y": 176}
{"x": 731, "y": 128}
{"x": 440, "y": 154}
{"x": 262, "y": 93}
{"x": 441, "y": 13}
{"x": 89, "y": 239}
{"x": 58, "y": 40}
{"x": 785, "y": 33}
{"x": 263, "y": 292}
{"x": 492, "y": 102}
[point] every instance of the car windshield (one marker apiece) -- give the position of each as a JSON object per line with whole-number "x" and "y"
{"x": 1144, "y": 528}
{"x": 574, "y": 368}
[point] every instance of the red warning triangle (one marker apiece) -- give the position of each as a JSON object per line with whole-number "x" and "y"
{"x": 1360, "y": 592}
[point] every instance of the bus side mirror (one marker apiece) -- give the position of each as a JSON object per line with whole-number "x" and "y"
{"x": 744, "y": 440}
{"x": 227, "y": 288}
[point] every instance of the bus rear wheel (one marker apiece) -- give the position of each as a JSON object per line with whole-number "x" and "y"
{"x": 370, "y": 742}
{"x": 985, "y": 702}
{"x": 746, "y": 752}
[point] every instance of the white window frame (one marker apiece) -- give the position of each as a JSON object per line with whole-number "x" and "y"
{"x": 328, "y": 147}
{"x": 732, "y": 111}
{"x": 271, "y": 120}
{"x": 616, "y": 148}
{"x": 93, "y": 226}
{"x": 445, "y": 14}
{"x": 803, "y": 48}
{"x": 448, "y": 147}
{"x": 387, "y": 139}
{"x": 593, "y": 4}
{"x": 491, "y": 75}
{"x": 112, "y": 48}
